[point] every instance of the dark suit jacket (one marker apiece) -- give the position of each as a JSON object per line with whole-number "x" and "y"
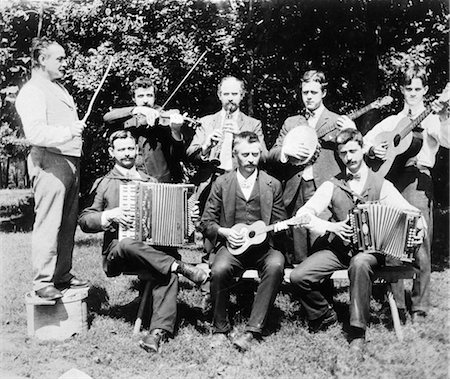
{"x": 105, "y": 194}
{"x": 327, "y": 164}
{"x": 221, "y": 204}
{"x": 161, "y": 153}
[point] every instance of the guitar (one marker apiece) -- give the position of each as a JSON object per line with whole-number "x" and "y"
{"x": 377, "y": 104}
{"x": 402, "y": 142}
{"x": 256, "y": 233}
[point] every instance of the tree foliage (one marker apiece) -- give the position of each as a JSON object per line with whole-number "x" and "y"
{"x": 361, "y": 46}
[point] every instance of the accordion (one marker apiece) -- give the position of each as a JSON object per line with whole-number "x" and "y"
{"x": 161, "y": 213}
{"x": 384, "y": 229}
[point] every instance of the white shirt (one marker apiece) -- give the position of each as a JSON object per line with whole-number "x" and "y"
{"x": 247, "y": 184}
{"x": 312, "y": 122}
{"x": 434, "y": 135}
{"x": 131, "y": 173}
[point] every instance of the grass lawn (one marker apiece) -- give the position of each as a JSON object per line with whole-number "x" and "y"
{"x": 109, "y": 349}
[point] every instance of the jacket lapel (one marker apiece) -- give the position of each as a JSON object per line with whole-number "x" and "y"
{"x": 322, "y": 123}
{"x": 229, "y": 199}
{"x": 266, "y": 197}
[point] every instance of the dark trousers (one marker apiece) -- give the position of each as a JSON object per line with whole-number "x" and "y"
{"x": 301, "y": 242}
{"x": 308, "y": 276}
{"x": 270, "y": 265}
{"x": 417, "y": 187}
{"x": 129, "y": 256}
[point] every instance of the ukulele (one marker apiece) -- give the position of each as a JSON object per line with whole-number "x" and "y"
{"x": 256, "y": 233}
{"x": 377, "y": 104}
{"x": 402, "y": 142}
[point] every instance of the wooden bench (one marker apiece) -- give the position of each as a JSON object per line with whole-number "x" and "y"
{"x": 386, "y": 275}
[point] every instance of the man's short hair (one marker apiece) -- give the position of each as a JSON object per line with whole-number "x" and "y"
{"x": 315, "y": 76}
{"x": 250, "y": 137}
{"x": 119, "y": 134}
{"x": 38, "y": 45}
{"x": 349, "y": 134}
{"x": 142, "y": 82}
{"x": 241, "y": 83}
{"x": 414, "y": 72}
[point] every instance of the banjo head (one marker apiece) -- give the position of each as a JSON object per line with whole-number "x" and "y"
{"x": 305, "y": 136}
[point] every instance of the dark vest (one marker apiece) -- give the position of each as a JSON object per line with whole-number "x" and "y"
{"x": 342, "y": 202}
{"x": 247, "y": 211}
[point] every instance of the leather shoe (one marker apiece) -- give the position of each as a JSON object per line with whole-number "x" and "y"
{"x": 244, "y": 341}
{"x": 49, "y": 293}
{"x": 73, "y": 283}
{"x": 195, "y": 274}
{"x": 418, "y": 316}
{"x": 151, "y": 343}
{"x": 323, "y": 322}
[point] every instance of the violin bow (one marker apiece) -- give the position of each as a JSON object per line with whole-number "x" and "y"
{"x": 97, "y": 91}
{"x": 184, "y": 79}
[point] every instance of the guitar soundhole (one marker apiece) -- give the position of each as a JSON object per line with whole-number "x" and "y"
{"x": 397, "y": 140}
{"x": 251, "y": 234}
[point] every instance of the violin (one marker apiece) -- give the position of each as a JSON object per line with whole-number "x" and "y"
{"x": 164, "y": 118}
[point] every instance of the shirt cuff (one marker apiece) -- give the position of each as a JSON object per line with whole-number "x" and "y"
{"x": 104, "y": 220}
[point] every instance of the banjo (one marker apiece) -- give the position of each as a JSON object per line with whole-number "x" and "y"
{"x": 305, "y": 137}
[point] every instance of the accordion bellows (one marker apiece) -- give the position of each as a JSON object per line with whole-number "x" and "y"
{"x": 162, "y": 213}
{"x": 384, "y": 229}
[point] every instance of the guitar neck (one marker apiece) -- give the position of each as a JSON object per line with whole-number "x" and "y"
{"x": 415, "y": 123}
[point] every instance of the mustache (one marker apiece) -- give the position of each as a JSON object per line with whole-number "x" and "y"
{"x": 230, "y": 106}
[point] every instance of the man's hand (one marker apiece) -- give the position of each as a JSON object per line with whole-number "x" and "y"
{"x": 175, "y": 123}
{"x": 344, "y": 122}
{"x": 295, "y": 150}
{"x": 341, "y": 229}
{"x": 234, "y": 238}
{"x": 230, "y": 126}
{"x": 77, "y": 128}
{"x": 380, "y": 150}
{"x": 195, "y": 212}
{"x": 120, "y": 216}
{"x": 212, "y": 140}
{"x": 150, "y": 114}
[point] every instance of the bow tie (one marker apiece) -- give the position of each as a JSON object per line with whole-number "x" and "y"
{"x": 351, "y": 176}
{"x": 308, "y": 114}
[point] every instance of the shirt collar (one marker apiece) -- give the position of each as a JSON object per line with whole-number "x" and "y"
{"x": 131, "y": 173}
{"x": 246, "y": 182}
{"x": 363, "y": 172}
{"x": 234, "y": 115}
{"x": 414, "y": 112}
{"x": 319, "y": 110}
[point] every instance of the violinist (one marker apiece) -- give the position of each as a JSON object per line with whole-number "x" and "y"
{"x": 160, "y": 141}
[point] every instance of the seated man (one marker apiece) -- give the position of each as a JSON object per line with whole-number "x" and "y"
{"x": 243, "y": 196}
{"x": 127, "y": 255}
{"x": 332, "y": 250}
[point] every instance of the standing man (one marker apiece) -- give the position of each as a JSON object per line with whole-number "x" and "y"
{"x": 162, "y": 147}
{"x": 356, "y": 183}
{"x": 243, "y": 196}
{"x": 51, "y": 125}
{"x": 413, "y": 180}
{"x": 127, "y": 255}
{"x": 211, "y": 146}
{"x": 301, "y": 182}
